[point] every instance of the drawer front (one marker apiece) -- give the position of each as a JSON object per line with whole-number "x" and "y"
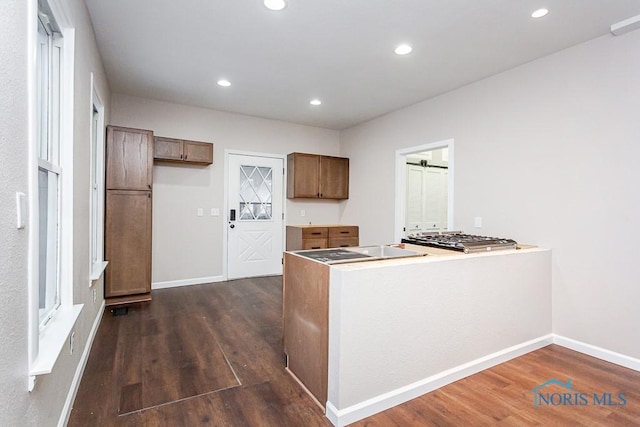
{"x": 314, "y": 243}
{"x": 314, "y": 233}
{"x": 346, "y": 231}
{"x": 343, "y": 242}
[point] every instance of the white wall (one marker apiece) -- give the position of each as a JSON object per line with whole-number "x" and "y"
{"x": 401, "y": 328}
{"x": 547, "y": 154}
{"x": 44, "y": 405}
{"x": 189, "y": 247}
{"x": 13, "y": 177}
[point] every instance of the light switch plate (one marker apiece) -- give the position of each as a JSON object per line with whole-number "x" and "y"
{"x": 200, "y": 212}
{"x": 21, "y": 210}
{"x": 477, "y": 221}
{"x": 215, "y": 212}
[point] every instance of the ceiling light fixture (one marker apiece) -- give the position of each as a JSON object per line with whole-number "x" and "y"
{"x": 275, "y": 4}
{"x": 315, "y": 102}
{"x": 224, "y": 83}
{"x": 539, "y": 13}
{"x": 403, "y": 49}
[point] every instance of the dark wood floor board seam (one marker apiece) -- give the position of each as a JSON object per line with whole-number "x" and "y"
{"x": 229, "y": 363}
{"x": 160, "y": 405}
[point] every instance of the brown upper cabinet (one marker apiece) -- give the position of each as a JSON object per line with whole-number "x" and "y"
{"x": 182, "y": 151}
{"x": 129, "y": 158}
{"x": 317, "y": 177}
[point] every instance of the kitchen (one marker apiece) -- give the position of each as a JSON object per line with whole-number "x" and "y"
{"x": 544, "y": 154}
{"x": 462, "y": 303}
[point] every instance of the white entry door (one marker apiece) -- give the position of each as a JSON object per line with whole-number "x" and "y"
{"x": 255, "y": 216}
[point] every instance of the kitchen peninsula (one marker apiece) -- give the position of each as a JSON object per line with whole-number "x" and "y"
{"x": 364, "y": 336}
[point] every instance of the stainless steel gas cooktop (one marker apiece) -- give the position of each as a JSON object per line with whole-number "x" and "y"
{"x": 458, "y": 241}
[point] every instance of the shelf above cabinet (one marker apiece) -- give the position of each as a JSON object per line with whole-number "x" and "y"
{"x": 173, "y": 150}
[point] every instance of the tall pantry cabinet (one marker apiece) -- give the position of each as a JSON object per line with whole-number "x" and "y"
{"x": 129, "y": 167}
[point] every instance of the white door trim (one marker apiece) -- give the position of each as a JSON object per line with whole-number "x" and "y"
{"x": 401, "y": 179}
{"x": 225, "y": 215}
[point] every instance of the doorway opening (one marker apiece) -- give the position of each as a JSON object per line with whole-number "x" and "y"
{"x": 424, "y": 188}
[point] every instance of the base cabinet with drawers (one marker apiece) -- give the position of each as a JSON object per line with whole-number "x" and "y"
{"x": 301, "y": 237}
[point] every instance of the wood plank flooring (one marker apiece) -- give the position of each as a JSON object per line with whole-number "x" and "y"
{"x": 212, "y": 355}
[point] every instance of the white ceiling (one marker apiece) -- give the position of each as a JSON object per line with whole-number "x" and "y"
{"x": 340, "y": 51}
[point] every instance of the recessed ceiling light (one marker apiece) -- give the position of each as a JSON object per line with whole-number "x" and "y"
{"x": 315, "y": 102}
{"x": 275, "y": 4}
{"x": 403, "y": 49}
{"x": 539, "y": 13}
{"x": 224, "y": 83}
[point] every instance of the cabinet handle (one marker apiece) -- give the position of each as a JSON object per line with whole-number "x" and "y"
{"x": 320, "y": 194}
{"x": 315, "y": 247}
{"x": 316, "y": 233}
{"x": 344, "y": 232}
{"x": 149, "y": 195}
{"x": 149, "y": 185}
{"x": 180, "y": 156}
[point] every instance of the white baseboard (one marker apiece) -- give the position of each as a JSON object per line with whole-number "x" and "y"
{"x": 186, "y": 282}
{"x": 396, "y": 397}
{"x": 75, "y": 384}
{"x": 598, "y": 352}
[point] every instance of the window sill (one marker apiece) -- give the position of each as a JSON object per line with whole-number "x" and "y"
{"x": 53, "y": 338}
{"x": 97, "y": 269}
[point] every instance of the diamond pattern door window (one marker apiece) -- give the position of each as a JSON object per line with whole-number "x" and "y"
{"x": 255, "y": 193}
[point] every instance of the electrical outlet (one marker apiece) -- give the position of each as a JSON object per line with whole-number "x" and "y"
{"x": 71, "y": 341}
{"x": 95, "y": 295}
{"x": 303, "y": 212}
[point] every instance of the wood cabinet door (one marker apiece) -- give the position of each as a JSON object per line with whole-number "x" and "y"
{"x": 129, "y": 159}
{"x": 128, "y": 243}
{"x": 314, "y": 244}
{"x": 302, "y": 180}
{"x": 344, "y": 231}
{"x": 197, "y": 152}
{"x": 334, "y": 177}
{"x": 343, "y": 242}
{"x": 306, "y": 322}
{"x": 167, "y": 148}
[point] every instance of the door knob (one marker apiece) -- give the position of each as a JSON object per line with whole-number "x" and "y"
{"x": 232, "y": 226}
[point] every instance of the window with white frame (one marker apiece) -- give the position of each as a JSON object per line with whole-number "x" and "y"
{"x": 49, "y": 171}
{"x": 52, "y": 312}
{"x": 97, "y": 186}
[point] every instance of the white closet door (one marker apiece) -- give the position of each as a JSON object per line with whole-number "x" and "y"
{"x": 415, "y": 213}
{"x": 435, "y": 199}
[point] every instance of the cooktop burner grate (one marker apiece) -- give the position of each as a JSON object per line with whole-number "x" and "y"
{"x": 458, "y": 241}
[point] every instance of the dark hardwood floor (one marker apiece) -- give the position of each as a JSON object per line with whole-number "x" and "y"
{"x": 212, "y": 355}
